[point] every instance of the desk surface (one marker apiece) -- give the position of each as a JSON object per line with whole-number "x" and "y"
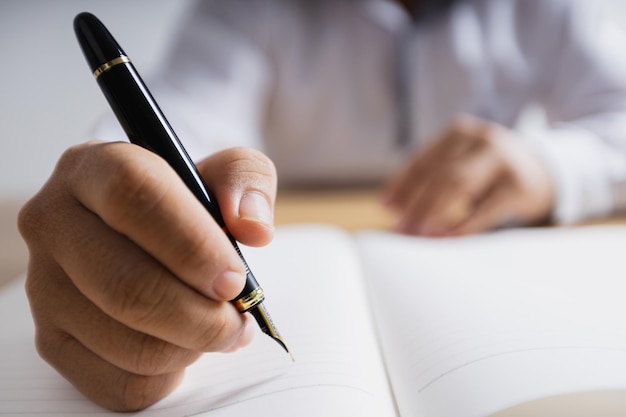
{"x": 351, "y": 209}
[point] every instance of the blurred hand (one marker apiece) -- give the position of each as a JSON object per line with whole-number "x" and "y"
{"x": 476, "y": 176}
{"x": 129, "y": 276}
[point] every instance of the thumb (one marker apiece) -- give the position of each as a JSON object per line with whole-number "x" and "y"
{"x": 243, "y": 181}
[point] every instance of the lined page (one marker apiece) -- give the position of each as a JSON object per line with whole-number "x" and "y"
{"x": 312, "y": 281}
{"x": 471, "y": 326}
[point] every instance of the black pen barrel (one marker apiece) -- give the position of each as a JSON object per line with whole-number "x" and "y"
{"x": 142, "y": 119}
{"x": 146, "y": 126}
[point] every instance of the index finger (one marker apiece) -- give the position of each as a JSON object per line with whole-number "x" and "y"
{"x": 136, "y": 193}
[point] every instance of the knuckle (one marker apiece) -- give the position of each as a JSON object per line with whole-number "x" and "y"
{"x": 48, "y": 290}
{"x": 489, "y": 135}
{"x": 34, "y": 288}
{"x": 37, "y": 214}
{"x": 46, "y": 345}
{"x": 216, "y": 332}
{"x": 74, "y": 163}
{"x": 156, "y": 357}
{"x": 465, "y": 125}
{"x": 457, "y": 178}
{"x": 479, "y": 132}
{"x": 135, "y": 392}
{"x": 195, "y": 252}
{"x": 133, "y": 185}
{"x": 52, "y": 345}
{"x": 71, "y": 158}
{"x": 135, "y": 299}
{"x": 30, "y": 219}
{"x": 249, "y": 166}
{"x": 459, "y": 123}
{"x": 132, "y": 392}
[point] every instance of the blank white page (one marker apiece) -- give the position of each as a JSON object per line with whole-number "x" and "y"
{"x": 474, "y": 325}
{"x": 312, "y": 280}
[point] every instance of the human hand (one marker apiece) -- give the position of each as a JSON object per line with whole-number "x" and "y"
{"x": 474, "y": 177}
{"x": 129, "y": 278}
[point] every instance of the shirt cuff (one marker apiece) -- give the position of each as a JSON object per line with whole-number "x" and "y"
{"x": 579, "y": 166}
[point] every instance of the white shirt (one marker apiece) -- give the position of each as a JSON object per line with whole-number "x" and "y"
{"x": 312, "y": 84}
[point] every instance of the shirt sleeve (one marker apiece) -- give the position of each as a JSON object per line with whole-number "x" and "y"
{"x": 585, "y": 101}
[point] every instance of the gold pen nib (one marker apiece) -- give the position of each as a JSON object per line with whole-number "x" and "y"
{"x": 262, "y": 317}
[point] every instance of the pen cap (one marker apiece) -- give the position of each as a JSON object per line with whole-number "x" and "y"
{"x": 135, "y": 108}
{"x": 96, "y": 42}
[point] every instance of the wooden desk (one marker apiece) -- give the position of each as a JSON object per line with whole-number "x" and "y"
{"x": 351, "y": 209}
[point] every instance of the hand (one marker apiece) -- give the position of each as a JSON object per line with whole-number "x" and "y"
{"x": 476, "y": 176}
{"x": 129, "y": 276}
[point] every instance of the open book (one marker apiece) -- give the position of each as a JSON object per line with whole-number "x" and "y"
{"x": 514, "y": 323}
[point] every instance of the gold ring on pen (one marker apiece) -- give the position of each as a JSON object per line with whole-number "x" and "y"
{"x": 246, "y": 302}
{"x": 110, "y": 64}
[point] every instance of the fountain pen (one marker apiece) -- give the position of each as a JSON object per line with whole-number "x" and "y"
{"x": 146, "y": 126}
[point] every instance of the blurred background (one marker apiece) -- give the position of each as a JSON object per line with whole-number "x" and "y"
{"x": 48, "y": 99}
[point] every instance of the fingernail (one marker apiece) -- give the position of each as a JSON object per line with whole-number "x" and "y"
{"x": 254, "y": 206}
{"x": 229, "y": 284}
